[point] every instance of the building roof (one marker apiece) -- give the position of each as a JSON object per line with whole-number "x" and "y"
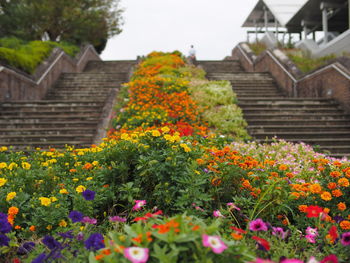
{"x": 311, "y": 13}
{"x": 282, "y": 10}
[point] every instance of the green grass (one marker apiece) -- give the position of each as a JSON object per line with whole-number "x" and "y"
{"x": 305, "y": 63}
{"x": 28, "y": 55}
{"x": 257, "y": 47}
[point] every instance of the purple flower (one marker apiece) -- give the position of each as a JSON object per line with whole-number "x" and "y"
{"x": 5, "y": 226}
{"x": 257, "y": 225}
{"x": 117, "y": 219}
{"x": 338, "y": 219}
{"x": 50, "y": 242}
{"x": 4, "y": 240}
{"x": 67, "y": 234}
{"x": 89, "y": 195}
{"x": 40, "y": 258}
{"x": 80, "y": 236}
{"x": 279, "y": 232}
{"x": 345, "y": 239}
{"x": 94, "y": 242}
{"x": 76, "y": 216}
{"x": 26, "y": 248}
{"x": 88, "y": 220}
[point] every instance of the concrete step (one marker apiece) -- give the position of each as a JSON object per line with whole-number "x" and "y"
{"x": 6, "y": 120}
{"x": 288, "y": 110}
{"x": 48, "y": 131}
{"x": 296, "y": 116}
{"x": 27, "y": 146}
{"x": 323, "y": 142}
{"x": 83, "y": 138}
{"x": 297, "y": 128}
{"x": 82, "y": 124}
{"x": 220, "y": 66}
{"x": 283, "y": 105}
{"x": 110, "y": 66}
{"x": 67, "y": 97}
{"x": 53, "y": 114}
{"x": 302, "y": 135}
{"x": 289, "y": 122}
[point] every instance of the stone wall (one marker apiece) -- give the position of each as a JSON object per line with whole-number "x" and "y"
{"x": 17, "y": 85}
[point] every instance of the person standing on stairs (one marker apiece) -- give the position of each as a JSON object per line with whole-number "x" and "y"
{"x": 192, "y": 55}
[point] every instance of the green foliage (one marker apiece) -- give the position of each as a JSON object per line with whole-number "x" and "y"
{"x": 257, "y": 47}
{"x": 28, "y": 55}
{"x": 305, "y": 63}
{"x": 74, "y": 21}
{"x": 218, "y": 103}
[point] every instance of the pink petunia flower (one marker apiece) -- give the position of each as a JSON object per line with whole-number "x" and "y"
{"x": 257, "y": 225}
{"x": 139, "y": 204}
{"x": 311, "y": 239}
{"x": 330, "y": 259}
{"x": 117, "y": 219}
{"x": 311, "y": 231}
{"x": 313, "y": 260}
{"x": 214, "y": 242}
{"x": 233, "y": 206}
{"x": 292, "y": 260}
{"x": 217, "y": 213}
{"x": 137, "y": 254}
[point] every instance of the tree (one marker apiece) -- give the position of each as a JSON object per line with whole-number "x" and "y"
{"x": 75, "y": 21}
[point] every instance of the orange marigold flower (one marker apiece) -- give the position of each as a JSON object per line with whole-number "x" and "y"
{"x": 246, "y": 184}
{"x": 283, "y": 167}
{"x": 337, "y": 193}
{"x": 344, "y": 182}
{"x": 326, "y": 196}
{"x": 216, "y": 181}
{"x": 18, "y": 227}
{"x": 195, "y": 228}
{"x": 341, "y": 206}
{"x": 88, "y": 166}
{"x": 237, "y": 236}
{"x": 337, "y": 163}
{"x": 320, "y": 168}
{"x": 302, "y": 208}
{"x": 32, "y": 228}
{"x": 315, "y": 188}
{"x": 332, "y": 186}
{"x": 11, "y": 219}
{"x": 13, "y": 210}
{"x": 295, "y": 194}
{"x": 99, "y": 257}
{"x": 274, "y": 174}
{"x": 335, "y": 174}
{"x": 326, "y": 210}
{"x": 345, "y": 225}
{"x": 290, "y": 175}
{"x": 72, "y": 170}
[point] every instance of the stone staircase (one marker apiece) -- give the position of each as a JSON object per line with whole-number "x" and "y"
{"x": 269, "y": 113}
{"x": 71, "y": 112}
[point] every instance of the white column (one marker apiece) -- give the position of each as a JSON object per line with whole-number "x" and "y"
{"x": 276, "y": 24}
{"x": 266, "y": 21}
{"x": 324, "y": 23}
{"x": 305, "y": 30}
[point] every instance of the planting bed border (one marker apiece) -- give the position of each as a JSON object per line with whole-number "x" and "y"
{"x": 329, "y": 81}
{"x": 18, "y": 85}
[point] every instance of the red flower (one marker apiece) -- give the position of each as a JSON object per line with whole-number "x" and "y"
{"x": 262, "y": 242}
{"x": 313, "y": 211}
{"x": 330, "y": 259}
{"x": 333, "y": 232}
{"x": 241, "y": 231}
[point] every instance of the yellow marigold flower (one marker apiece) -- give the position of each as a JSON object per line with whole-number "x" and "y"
{"x": 63, "y": 191}
{"x": 63, "y": 223}
{"x": 344, "y": 182}
{"x": 75, "y": 179}
{"x": 13, "y": 210}
{"x": 2, "y": 181}
{"x": 12, "y": 166}
{"x": 95, "y": 163}
{"x": 156, "y": 133}
{"x": 185, "y": 147}
{"x": 3, "y": 165}
{"x": 10, "y": 196}
{"x": 26, "y": 165}
{"x": 315, "y": 188}
{"x": 53, "y": 199}
{"x": 45, "y": 201}
{"x": 80, "y": 189}
{"x": 89, "y": 178}
{"x": 3, "y": 148}
{"x": 49, "y": 227}
{"x": 326, "y": 196}
{"x": 341, "y": 206}
{"x": 345, "y": 225}
{"x": 165, "y": 129}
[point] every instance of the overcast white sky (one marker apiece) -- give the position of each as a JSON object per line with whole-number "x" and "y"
{"x": 213, "y": 27}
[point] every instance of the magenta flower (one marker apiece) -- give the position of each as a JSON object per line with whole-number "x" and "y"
{"x": 88, "y": 220}
{"x": 279, "y": 232}
{"x": 217, "y": 213}
{"x": 117, "y": 219}
{"x": 233, "y": 206}
{"x": 260, "y": 260}
{"x": 292, "y": 260}
{"x": 214, "y": 242}
{"x": 136, "y": 254}
{"x": 139, "y": 204}
{"x": 311, "y": 231}
{"x": 345, "y": 239}
{"x": 311, "y": 239}
{"x": 330, "y": 259}
{"x": 257, "y": 225}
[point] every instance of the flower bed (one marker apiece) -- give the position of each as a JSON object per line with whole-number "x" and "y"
{"x": 164, "y": 188}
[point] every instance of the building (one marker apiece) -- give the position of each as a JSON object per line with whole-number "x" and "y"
{"x": 329, "y": 19}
